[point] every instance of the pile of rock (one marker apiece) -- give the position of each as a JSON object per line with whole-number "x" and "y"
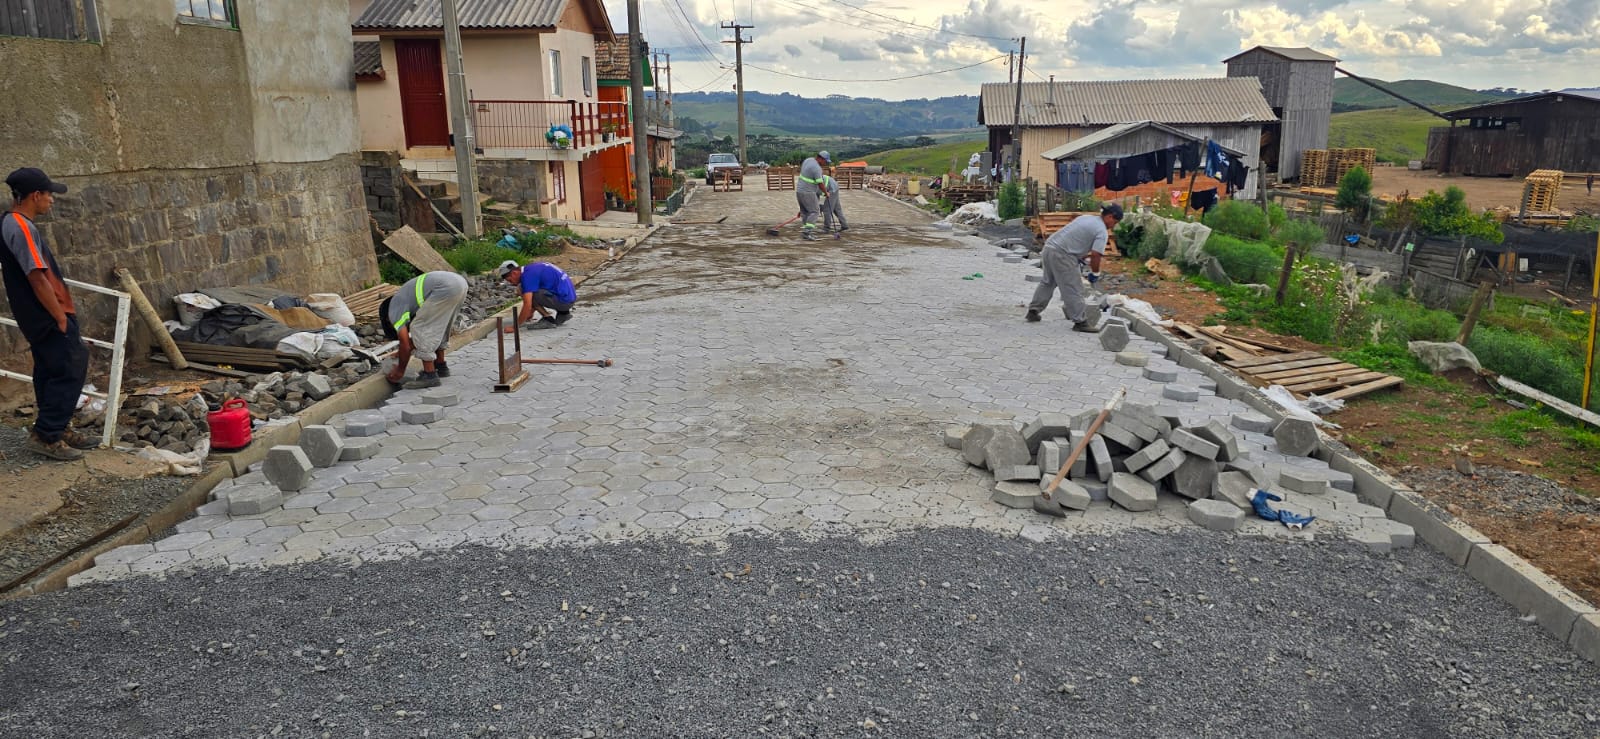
{"x": 175, "y": 424}
{"x": 1138, "y": 453}
{"x": 286, "y": 393}
{"x": 485, "y": 296}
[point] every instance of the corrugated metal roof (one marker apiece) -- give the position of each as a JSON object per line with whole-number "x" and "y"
{"x": 474, "y": 14}
{"x": 1292, "y": 53}
{"x": 1461, "y": 113}
{"x": 1112, "y": 133}
{"x": 369, "y": 58}
{"x": 1179, "y": 101}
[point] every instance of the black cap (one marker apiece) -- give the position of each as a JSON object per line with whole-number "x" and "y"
{"x": 29, "y": 180}
{"x": 1111, "y": 209}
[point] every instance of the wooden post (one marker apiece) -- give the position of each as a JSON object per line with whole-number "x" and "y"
{"x": 152, "y": 319}
{"x": 1485, "y": 289}
{"x": 1283, "y": 276}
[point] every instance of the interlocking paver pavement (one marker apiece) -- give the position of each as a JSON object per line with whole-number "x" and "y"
{"x": 760, "y": 385}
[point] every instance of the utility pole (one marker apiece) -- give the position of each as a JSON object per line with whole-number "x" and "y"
{"x": 1016, "y": 115}
{"x": 1011, "y": 67}
{"x": 642, "y": 203}
{"x": 672, "y": 120}
{"x": 461, "y": 123}
{"x": 655, "y": 78}
{"x": 738, "y": 66}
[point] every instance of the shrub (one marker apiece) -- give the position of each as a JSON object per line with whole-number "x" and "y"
{"x": 1527, "y": 359}
{"x": 395, "y": 272}
{"x": 1448, "y": 215}
{"x": 1276, "y": 215}
{"x": 1241, "y": 219}
{"x": 1355, "y": 193}
{"x": 1401, "y": 321}
{"x": 1245, "y": 261}
{"x": 477, "y": 257}
{"x": 1010, "y": 205}
{"x": 1300, "y": 233}
{"x": 1139, "y": 244}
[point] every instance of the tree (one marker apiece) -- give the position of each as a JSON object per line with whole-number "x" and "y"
{"x": 1449, "y": 215}
{"x": 922, "y": 141}
{"x": 1355, "y": 193}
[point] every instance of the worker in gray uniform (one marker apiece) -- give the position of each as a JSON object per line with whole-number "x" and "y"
{"x": 421, "y": 316}
{"x": 808, "y": 190}
{"x": 832, "y": 210}
{"x": 1079, "y": 242}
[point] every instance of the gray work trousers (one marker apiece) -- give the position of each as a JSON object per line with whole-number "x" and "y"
{"x": 809, "y": 209}
{"x": 831, "y": 211}
{"x": 1061, "y": 272}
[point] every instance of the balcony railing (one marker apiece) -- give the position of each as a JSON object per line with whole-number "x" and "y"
{"x": 522, "y": 124}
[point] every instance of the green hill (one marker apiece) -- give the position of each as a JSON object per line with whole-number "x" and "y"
{"x": 1349, "y": 94}
{"x": 786, "y": 114}
{"x": 1399, "y": 134}
{"x": 927, "y": 160}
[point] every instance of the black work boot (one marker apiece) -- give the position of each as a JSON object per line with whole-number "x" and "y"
{"x": 443, "y": 369}
{"x": 423, "y": 381}
{"x": 1032, "y": 317}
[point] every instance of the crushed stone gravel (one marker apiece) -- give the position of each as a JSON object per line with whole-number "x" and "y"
{"x": 949, "y": 632}
{"x": 1501, "y": 490}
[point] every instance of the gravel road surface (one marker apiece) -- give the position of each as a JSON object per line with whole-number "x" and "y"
{"x": 949, "y": 632}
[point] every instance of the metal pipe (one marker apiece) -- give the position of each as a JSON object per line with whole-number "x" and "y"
{"x": 1389, "y": 92}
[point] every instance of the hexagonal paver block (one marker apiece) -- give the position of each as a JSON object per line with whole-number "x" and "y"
{"x": 1132, "y": 493}
{"x": 1190, "y": 442}
{"x": 1181, "y": 393}
{"x": 1164, "y": 466}
{"x": 1195, "y": 478}
{"x": 1160, "y": 374}
{"x": 1070, "y": 495}
{"x": 421, "y": 414}
{"x": 1216, "y": 433}
{"x": 1217, "y": 515}
{"x": 355, "y": 450}
{"x": 1114, "y": 337}
{"x": 1252, "y": 422}
{"x": 1310, "y": 482}
{"x": 365, "y": 424}
{"x": 953, "y": 436}
{"x": 441, "y": 396}
{"x": 1296, "y": 437}
{"x": 1234, "y": 488}
{"x": 1018, "y": 495}
{"x": 1017, "y": 473}
{"x": 1133, "y": 359}
{"x": 254, "y": 499}
{"x": 322, "y": 445}
{"x": 287, "y": 467}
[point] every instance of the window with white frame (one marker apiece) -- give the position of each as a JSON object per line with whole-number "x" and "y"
{"x": 588, "y": 77}
{"x": 555, "y": 73}
{"x": 558, "y": 182}
{"x": 208, "y": 12}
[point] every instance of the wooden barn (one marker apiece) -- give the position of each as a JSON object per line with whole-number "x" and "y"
{"x": 1298, "y": 84}
{"x": 1551, "y": 130}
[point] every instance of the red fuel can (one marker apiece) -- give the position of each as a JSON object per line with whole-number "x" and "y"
{"x": 230, "y": 426}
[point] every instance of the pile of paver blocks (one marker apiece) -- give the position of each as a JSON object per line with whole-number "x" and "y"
{"x": 1141, "y": 452}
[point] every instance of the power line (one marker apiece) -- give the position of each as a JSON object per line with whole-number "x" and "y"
{"x": 883, "y": 28}
{"x": 696, "y": 32}
{"x": 885, "y": 79}
{"x": 714, "y": 80}
{"x": 918, "y": 25}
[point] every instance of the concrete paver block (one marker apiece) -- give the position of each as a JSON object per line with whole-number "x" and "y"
{"x": 1296, "y": 437}
{"x": 286, "y": 467}
{"x": 1034, "y": 278}
{"x": 1216, "y": 433}
{"x": 1051, "y": 455}
{"x": 358, "y": 425}
{"x": 973, "y": 443}
{"x": 1014, "y": 494}
{"x": 1147, "y": 433}
{"x": 1114, "y": 337}
{"x": 1372, "y": 539}
{"x": 421, "y": 414}
{"x": 1263, "y": 477}
{"x": 1114, "y": 432}
{"x": 1160, "y": 374}
{"x": 316, "y": 386}
{"x": 1443, "y": 531}
{"x": 1131, "y": 358}
{"x": 1234, "y": 487}
{"x": 1310, "y": 482}
{"x": 443, "y": 397}
{"x": 1400, "y": 535}
{"x": 359, "y": 449}
{"x": 1252, "y": 422}
{"x": 1097, "y": 490}
{"x": 1147, "y": 456}
{"x": 254, "y": 499}
{"x": 1101, "y": 455}
{"x": 1164, "y": 466}
{"x": 1216, "y": 515}
{"x": 1146, "y": 415}
{"x": 1530, "y": 590}
{"x": 1190, "y": 442}
{"x": 1017, "y": 472}
{"x": 1132, "y": 493}
{"x": 322, "y": 445}
{"x": 1585, "y": 638}
{"x": 953, "y": 436}
{"x": 1172, "y": 414}
{"x": 1006, "y": 448}
{"x": 1069, "y": 494}
{"x": 1046, "y": 426}
{"x": 1195, "y": 478}
{"x": 1181, "y": 393}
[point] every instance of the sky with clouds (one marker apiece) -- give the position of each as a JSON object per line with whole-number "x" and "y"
{"x": 1532, "y": 44}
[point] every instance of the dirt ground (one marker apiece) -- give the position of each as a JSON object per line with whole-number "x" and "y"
{"x": 1417, "y": 434}
{"x": 1482, "y": 192}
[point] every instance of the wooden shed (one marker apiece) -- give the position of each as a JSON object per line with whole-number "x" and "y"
{"x": 1298, "y": 83}
{"x": 1551, "y": 130}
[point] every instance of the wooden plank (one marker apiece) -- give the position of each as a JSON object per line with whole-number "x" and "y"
{"x": 1299, "y": 375}
{"x": 1561, "y": 406}
{"x": 1219, "y": 331}
{"x": 1273, "y": 359}
{"x": 1277, "y": 367}
{"x": 409, "y": 245}
{"x": 1336, "y": 382}
{"x": 1246, "y": 349}
{"x": 1363, "y": 389}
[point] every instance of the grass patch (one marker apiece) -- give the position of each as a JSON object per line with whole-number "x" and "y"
{"x": 926, "y": 160}
{"x": 1394, "y": 360}
{"x": 1399, "y": 134}
{"x": 1517, "y": 426}
{"x": 1528, "y": 359}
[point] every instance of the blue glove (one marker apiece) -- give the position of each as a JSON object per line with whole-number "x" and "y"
{"x": 1259, "y": 502}
{"x": 1093, "y": 277}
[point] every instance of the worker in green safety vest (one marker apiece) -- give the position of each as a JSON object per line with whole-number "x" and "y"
{"x": 809, "y": 191}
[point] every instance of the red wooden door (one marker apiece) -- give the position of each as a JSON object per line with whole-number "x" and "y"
{"x": 592, "y": 186}
{"x": 423, "y": 111}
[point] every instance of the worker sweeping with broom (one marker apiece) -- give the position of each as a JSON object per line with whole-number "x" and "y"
{"x": 808, "y": 190}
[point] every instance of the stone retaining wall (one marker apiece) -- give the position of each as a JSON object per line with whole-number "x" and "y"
{"x": 301, "y": 227}
{"x": 381, "y": 183}
{"x": 513, "y": 180}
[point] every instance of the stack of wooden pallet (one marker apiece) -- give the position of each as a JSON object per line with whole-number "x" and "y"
{"x": 1344, "y": 160}
{"x": 1314, "y": 167}
{"x": 890, "y": 186}
{"x": 1301, "y": 373}
{"x": 851, "y": 178}
{"x": 365, "y": 304}
{"x": 781, "y": 178}
{"x": 964, "y": 194}
{"x": 1539, "y": 190}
